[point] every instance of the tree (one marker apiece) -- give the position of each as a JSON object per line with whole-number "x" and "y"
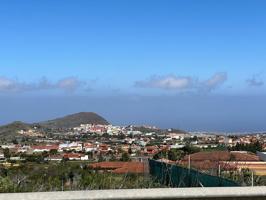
{"x": 121, "y": 137}
{"x": 7, "y": 153}
{"x": 6, "y": 185}
{"x": 45, "y": 154}
{"x": 71, "y": 177}
{"x": 3, "y": 172}
{"x": 63, "y": 180}
{"x": 130, "y": 151}
{"x": 113, "y": 158}
{"x": 175, "y": 155}
{"x": 160, "y": 155}
{"x": 125, "y": 157}
{"x": 14, "y": 141}
{"x": 253, "y": 147}
{"x": 53, "y": 151}
{"x": 188, "y": 149}
{"x": 100, "y": 158}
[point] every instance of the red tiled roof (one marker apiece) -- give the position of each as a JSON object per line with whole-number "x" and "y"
{"x": 222, "y": 156}
{"x": 212, "y": 160}
{"x": 245, "y": 156}
{"x": 151, "y": 148}
{"x": 120, "y": 167}
{"x": 73, "y": 155}
{"x": 206, "y": 165}
{"x": 89, "y": 145}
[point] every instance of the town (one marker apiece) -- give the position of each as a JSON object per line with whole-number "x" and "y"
{"x": 118, "y": 150}
{"x": 107, "y": 142}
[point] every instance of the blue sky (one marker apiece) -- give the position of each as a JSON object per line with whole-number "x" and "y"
{"x": 142, "y": 54}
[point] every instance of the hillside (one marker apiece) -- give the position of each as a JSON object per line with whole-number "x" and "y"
{"x": 74, "y": 120}
{"x": 11, "y": 130}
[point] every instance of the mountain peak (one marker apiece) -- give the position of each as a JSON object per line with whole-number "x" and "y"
{"x": 75, "y": 120}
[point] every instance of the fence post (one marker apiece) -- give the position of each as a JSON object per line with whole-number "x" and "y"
{"x": 252, "y": 179}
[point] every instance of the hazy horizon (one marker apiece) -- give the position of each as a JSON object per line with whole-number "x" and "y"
{"x": 208, "y": 114}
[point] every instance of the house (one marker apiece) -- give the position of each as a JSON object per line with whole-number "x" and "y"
{"x": 104, "y": 148}
{"x": 206, "y": 146}
{"x": 23, "y": 149}
{"x": 99, "y": 129}
{"x": 8, "y": 146}
{"x": 2, "y": 156}
{"x": 135, "y": 148}
{"x": 84, "y": 157}
{"x": 212, "y": 160}
{"x": 75, "y": 156}
{"x": 44, "y": 148}
{"x": 125, "y": 147}
{"x": 177, "y": 136}
{"x": 16, "y": 158}
{"x": 177, "y": 146}
{"x": 74, "y": 146}
{"x": 89, "y": 147}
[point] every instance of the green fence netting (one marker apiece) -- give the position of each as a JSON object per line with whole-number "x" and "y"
{"x": 177, "y": 176}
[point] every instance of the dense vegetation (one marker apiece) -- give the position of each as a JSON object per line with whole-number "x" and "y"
{"x": 64, "y": 176}
{"x": 253, "y": 147}
{"x": 177, "y": 154}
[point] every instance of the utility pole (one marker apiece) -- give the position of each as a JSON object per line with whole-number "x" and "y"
{"x": 219, "y": 171}
{"x": 252, "y": 179}
{"x": 189, "y": 162}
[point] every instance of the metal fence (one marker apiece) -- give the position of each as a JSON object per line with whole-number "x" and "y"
{"x": 177, "y": 176}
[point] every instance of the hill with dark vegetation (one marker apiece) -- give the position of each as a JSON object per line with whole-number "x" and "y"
{"x": 74, "y": 120}
{"x": 11, "y": 130}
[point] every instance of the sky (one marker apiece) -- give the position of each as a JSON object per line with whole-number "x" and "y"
{"x": 194, "y": 65}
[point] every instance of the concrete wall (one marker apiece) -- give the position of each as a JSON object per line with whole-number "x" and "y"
{"x": 262, "y": 155}
{"x": 239, "y": 193}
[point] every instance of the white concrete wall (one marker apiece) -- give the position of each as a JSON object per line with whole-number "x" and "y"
{"x": 239, "y": 193}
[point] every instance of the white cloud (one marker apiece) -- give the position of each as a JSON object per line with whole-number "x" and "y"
{"x": 44, "y": 84}
{"x": 183, "y": 83}
{"x": 215, "y": 81}
{"x": 255, "y": 82}
{"x": 6, "y": 84}
{"x": 65, "y": 84}
{"x": 167, "y": 82}
{"x": 69, "y": 84}
{"x": 11, "y": 85}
